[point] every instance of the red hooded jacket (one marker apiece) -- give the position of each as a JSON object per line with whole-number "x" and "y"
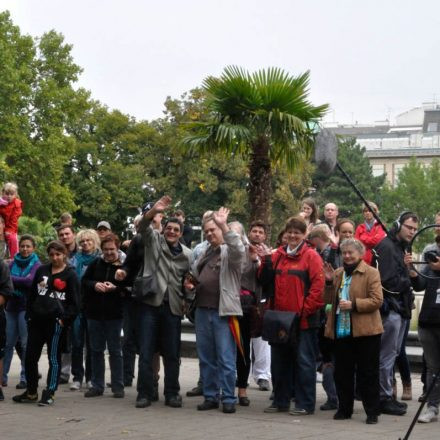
{"x": 369, "y": 238}
{"x": 11, "y": 212}
{"x": 299, "y": 283}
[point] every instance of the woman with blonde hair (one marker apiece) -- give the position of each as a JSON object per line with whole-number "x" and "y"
{"x": 88, "y": 243}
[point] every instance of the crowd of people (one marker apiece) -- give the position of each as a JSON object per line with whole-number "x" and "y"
{"x": 346, "y": 292}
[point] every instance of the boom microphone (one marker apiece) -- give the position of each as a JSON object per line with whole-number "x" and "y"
{"x": 326, "y": 152}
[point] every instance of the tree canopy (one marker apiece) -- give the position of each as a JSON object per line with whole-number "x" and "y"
{"x": 335, "y": 188}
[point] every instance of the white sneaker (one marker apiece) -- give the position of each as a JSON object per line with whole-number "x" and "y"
{"x": 429, "y": 415}
{"x": 89, "y": 385}
{"x": 75, "y": 386}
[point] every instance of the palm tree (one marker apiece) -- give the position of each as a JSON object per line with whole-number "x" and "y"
{"x": 264, "y": 116}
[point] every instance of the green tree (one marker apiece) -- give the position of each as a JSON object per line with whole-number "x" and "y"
{"x": 417, "y": 190}
{"x": 335, "y": 188}
{"x": 265, "y": 118}
{"x": 38, "y": 104}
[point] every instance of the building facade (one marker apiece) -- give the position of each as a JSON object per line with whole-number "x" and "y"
{"x": 416, "y": 133}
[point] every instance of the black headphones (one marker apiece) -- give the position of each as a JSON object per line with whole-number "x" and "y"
{"x": 397, "y": 224}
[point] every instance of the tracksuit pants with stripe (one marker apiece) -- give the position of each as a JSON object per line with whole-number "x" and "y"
{"x": 47, "y": 332}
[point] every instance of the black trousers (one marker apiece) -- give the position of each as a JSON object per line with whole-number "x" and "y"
{"x": 39, "y": 333}
{"x": 360, "y": 357}
{"x": 244, "y": 364}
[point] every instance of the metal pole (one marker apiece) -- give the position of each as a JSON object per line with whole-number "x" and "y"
{"x": 361, "y": 196}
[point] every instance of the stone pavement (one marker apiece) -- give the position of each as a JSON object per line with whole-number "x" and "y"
{"x": 74, "y": 417}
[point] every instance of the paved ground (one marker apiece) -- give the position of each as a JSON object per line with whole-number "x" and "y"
{"x": 74, "y": 417}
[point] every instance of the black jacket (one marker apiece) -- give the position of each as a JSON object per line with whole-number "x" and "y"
{"x": 54, "y": 296}
{"x": 429, "y": 315}
{"x": 98, "y": 305}
{"x": 135, "y": 257}
{"x": 388, "y": 257}
{"x": 6, "y": 287}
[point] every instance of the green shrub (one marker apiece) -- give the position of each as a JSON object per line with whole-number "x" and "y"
{"x": 42, "y": 232}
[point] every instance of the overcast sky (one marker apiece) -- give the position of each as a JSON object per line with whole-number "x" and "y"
{"x": 368, "y": 60}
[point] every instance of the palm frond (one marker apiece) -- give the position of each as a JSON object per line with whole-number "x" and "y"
{"x": 269, "y": 103}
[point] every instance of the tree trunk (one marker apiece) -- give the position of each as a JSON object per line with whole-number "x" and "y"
{"x": 260, "y": 183}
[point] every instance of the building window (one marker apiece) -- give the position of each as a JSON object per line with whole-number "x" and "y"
{"x": 378, "y": 169}
{"x": 432, "y": 127}
{"x": 397, "y": 168}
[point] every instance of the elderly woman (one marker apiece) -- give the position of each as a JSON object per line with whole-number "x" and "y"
{"x": 88, "y": 243}
{"x": 294, "y": 273}
{"x": 355, "y": 294}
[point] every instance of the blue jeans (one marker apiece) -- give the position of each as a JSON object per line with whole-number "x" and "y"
{"x": 104, "y": 333}
{"x": 217, "y": 355}
{"x": 16, "y": 327}
{"x": 80, "y": 337}
{"x": 299, "y": 363}
{"x": 158, "y": 330}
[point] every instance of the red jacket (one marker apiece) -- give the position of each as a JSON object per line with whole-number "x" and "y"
{"x": 11, "y": 212}
{"x": 299, "y": 283}
{"x": 369, "y": 238}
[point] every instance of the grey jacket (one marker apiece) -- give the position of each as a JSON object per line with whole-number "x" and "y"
{"x": 249, "y": 279}
{"x": 169, "y": 270}
{"x": 232, "y": 256}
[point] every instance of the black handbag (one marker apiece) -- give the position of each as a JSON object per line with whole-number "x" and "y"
{"x": 146, "y": 286}
{"x": 280, "y": 328}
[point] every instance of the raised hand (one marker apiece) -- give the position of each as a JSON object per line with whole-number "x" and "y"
{"x": 263, "y": 250}
{"x": 329, "y": 272}
{"x": 162, "y": 204}
{"x": 221, "y": 216}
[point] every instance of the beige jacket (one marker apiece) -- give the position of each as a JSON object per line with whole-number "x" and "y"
{"x": 366, "y": 296}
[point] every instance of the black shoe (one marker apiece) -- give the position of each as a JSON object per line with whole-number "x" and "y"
{"x": 46, "y": 398}
{"x": 93, "y": 392}
{"x": 422, "y": 396}
{"x": 22, "y": 385}
{"x": 128, "y": 383}
{"x": 26, "y": 398}
{"x": 339, "y": 415}
{"x": 196, "y": 391}
{"x": 328, "y": 406}
{"x": 63, "y": 380}
{"x": 207, "y": 405}
{"x": 174, "y": 401}
{"x": 401, "y": 404}
{"x": 244, "y": 401}
{"x": 2, "y": 396}
{"x": 142, "y": 402}
{"x": 390, "y": 407}
{"x": 229, "y": 408}
{"x": 371, "y": 420}
{"x": 119, "y": 394}
{"x": 273, "y": 409}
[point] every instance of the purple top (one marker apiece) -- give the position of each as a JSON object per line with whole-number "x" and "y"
{"x": 17, "y": 303}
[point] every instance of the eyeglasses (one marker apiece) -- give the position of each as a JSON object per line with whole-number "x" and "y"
{"x": 410, "y": 228}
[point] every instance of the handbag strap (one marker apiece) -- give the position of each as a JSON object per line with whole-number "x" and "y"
{"x": 272, "y": 299}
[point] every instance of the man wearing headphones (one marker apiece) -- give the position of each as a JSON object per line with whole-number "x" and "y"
{"x": 392, "y": 257}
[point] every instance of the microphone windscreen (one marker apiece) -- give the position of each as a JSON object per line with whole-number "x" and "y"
{"x": 326, "y": 151}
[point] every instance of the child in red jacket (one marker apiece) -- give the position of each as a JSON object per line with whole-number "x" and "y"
{"x": 10, "y": 210}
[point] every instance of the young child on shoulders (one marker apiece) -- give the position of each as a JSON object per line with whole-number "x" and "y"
{"x": 10, "y": 210}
